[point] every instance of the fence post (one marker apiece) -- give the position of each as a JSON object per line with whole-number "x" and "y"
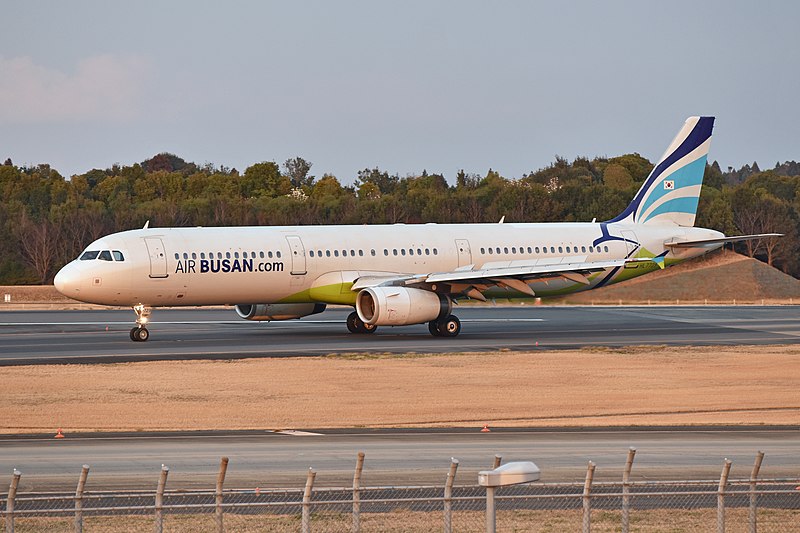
{"x": 306, "y": 520}
{"x": 162, "y": 483}
{"x": 751, "y": 517}
{"x": 79, "y": 499}
{"x": 357, "y": 493}
{"x": 587, "y": 499}
{"x": 497, "y": 460}
{"x": 218, "y": 513}
{"x": 723, "y": 482}
{"x": 448, "y": 495}
{"x": 626, "y": 499}
{"x": 12, "y": 494}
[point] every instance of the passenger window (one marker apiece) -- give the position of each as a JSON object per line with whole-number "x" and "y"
{"x": 176, "y": 255}
{"x": 236, "y": 255}
{"x": 419, "y": 251}
{"x": 278, "y": 254}
{"x": 311, "y": 253}
{"x": 497, "y": 249}
{"x": 361, "y": 253}
{"x": 118, "y": 255}
{"x": 269, "y": 254}
{"x": 336, "y": 253}
{"x": 328, "y": 253}
{"x": 202, "y": 255}
{"x": 567, "y": 249}
{"x": 352, "y": 253}
{"x": 505, "y": 250}
{"x": 435, "y": 251}
{"x": 194, "y": 255}
{"x": 105, "y": 255}
{"x": 411, "y": 251}
{"x": 490, "y": 251}
{"x": 185, "y": 255}
{"x": 560, "y": 250}
{"x": 385, "y": 251}
{"x": 536, "y": 249}
{"x": 261, "y": 255}
{"x": 344, "y": 253}
{"x": 244, "y": 255}
{"x": 228, "y": 255}
{"x": 427, "y": 251}
{"x": 394, "y": 251}
{"x": 530, "y": 251}
{"x": 219, "y": 255}
{"x": 403, "y": 251}
{"x": 552, "y": 249}
{"x": 372, "y": 252}
{"x": 583, "y": 249}
{"x": 605, "y": 248}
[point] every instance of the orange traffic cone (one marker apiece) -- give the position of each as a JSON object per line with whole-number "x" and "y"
{"x": 485, "y": 428}
{"x": 59, "y": 435}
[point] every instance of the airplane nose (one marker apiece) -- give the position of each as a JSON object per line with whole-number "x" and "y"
{"x": 67, "y": 280}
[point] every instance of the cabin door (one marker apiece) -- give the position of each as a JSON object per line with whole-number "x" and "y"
{"x": 464, "y": 252}
{"x": 298, "y": 252}
{"x": 158, "y": 257}
{"x": 631, "y": 244}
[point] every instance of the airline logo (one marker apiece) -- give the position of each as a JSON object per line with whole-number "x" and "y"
{"x": 190, "y": 266}
{"x": 669, "y": 185}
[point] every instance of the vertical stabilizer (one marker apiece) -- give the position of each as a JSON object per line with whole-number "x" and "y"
{"x": 670, "y": 194}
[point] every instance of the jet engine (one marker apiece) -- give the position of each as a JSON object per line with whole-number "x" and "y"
{"x": 277, "y": 311}
{"x": 399, "y": 306}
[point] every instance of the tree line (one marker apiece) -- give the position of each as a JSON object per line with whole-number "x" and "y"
{"x": 48, "y": 220}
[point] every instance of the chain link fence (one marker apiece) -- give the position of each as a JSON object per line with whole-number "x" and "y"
{"x": 748, "y": 505}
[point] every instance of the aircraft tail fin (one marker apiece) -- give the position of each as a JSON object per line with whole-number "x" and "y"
{"x": 670, "y": 194}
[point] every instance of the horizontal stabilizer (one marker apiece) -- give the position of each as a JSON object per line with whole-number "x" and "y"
{"x": 722, "y": 240}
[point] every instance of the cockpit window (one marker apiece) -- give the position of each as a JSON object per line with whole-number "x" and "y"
{"x": 89, "y": 255}
{"x": 105, "y": 255}
{"x": 117, "y": 255}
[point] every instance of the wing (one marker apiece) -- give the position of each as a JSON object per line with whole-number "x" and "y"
{"x": 470, "y": 281}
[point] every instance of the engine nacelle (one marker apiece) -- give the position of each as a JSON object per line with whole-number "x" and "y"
{"x": 399, "y": 306}
{"x": 277, "y": 311}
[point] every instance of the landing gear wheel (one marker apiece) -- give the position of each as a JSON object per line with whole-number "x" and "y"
{"x": 140, "y": 334}
{"x": 447, "y": 327}
{"x": 356, "y": 325}
{"x": 352, "y": 322}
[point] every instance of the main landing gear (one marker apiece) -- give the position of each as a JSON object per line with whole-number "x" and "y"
{"x": 445, "y": 327}
{"x": 356, "y": 325}
{"x": 140, "y": 333}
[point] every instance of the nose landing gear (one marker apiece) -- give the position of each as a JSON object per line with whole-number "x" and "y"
{"x": 140, "y": 333}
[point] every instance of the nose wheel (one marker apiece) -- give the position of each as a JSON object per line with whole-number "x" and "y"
{"x": 140, "y": 332}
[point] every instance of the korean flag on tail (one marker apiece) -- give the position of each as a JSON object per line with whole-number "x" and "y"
{"x": 669, "y": 185}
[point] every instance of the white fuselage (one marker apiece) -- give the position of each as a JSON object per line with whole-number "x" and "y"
{"x": 252, "y": 265}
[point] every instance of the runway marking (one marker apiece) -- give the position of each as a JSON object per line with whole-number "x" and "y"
{"x": 234, "y": 322}
{"x": 296, "y": 433}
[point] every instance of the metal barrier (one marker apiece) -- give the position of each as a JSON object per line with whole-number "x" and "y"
{"x": 749, "y": 504}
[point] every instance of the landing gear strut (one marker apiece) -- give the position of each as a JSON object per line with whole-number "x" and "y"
{"x": 140, "y": 333}
{"x": 445, "y": 327}
{"x": 356, "y": 325}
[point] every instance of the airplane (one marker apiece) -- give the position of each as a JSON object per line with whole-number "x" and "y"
{"x": 397, "y": 275}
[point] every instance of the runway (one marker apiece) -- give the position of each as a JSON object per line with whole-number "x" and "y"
{"x": 36, "y": 337}
{"x": 393, "y": 457}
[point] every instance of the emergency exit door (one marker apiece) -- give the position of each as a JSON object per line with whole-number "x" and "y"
{"x": 158, "y": 257}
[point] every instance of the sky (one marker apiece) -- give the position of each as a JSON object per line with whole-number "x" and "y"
{"x": 404, "y": 86}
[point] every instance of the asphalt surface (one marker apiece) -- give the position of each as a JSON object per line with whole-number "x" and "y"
{"x": 35, "y": 337}
{"x": 393, "y": 457}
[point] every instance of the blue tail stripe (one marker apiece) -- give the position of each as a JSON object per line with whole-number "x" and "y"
{"x": 686, "y": 176}
{"x": 676, "y": 205}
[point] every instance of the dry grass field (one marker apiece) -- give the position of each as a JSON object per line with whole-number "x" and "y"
{"x": 634, "y": 386}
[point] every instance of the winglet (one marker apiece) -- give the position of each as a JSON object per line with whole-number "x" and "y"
{"x": 659, "y": 260}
